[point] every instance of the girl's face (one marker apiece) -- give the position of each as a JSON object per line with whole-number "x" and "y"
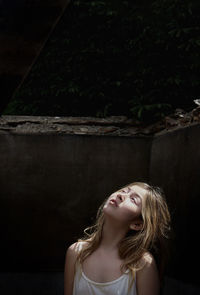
{"x": 125, "y": 205}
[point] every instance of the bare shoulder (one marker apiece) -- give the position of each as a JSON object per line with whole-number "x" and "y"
{"x": 148, "y": 261}
{"x": 148, "y": 282}
{"x": 70, "y": 266}
{"x": 75, "y": 248}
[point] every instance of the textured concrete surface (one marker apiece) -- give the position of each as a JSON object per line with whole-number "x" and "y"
{"x": 31, "y": 283}
{"x": 176, "y": 287}
{"x": 175, "y": 159}
{"x": 52, "y": 184}
{"x": 51, "y": 187}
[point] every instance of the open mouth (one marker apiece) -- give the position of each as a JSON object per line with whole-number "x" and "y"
{"x": 114, "y": 202}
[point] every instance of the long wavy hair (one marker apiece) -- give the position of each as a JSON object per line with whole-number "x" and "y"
{"x": 152, "y": 237}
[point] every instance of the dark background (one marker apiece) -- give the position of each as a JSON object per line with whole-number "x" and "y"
{"x": 139, "y": 59}
{"x": 97, "y": 58}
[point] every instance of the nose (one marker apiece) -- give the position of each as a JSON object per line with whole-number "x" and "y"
{"x": 120, "y": 197}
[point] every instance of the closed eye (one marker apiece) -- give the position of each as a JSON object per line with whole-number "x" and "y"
{"x": 126, "y": 190}
{"x": 135, "y": 199}
{"x": 132, "y": 197}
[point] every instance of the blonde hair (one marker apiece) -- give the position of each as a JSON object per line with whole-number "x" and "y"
{"x": 152, "y": 237}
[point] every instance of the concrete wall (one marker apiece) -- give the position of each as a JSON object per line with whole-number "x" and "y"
{"x": 175, "y": 165}
{"x": 51, "y": 186}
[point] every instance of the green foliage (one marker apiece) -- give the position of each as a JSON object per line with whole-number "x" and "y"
{"x": 135, "y": 58}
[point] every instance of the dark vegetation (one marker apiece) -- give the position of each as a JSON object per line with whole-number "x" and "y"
{"x": 108, "y": 57}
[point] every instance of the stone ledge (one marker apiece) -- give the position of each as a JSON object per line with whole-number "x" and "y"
{"x": 112, "y": 126}
{"x": 68, "y": 125}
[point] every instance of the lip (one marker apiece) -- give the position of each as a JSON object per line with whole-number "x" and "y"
{"x": 113, "y": 202}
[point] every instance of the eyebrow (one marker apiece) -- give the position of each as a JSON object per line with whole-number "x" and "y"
{"x": 135, "y": 193}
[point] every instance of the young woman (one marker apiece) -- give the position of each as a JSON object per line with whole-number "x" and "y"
{"x": 124, "y": 252}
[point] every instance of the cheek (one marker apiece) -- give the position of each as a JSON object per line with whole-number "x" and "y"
{"x": 120, "y": 214}
{"x": 128, "y": 214}
{"x": 131, "y": 213}
{"x": 125, "y": 213}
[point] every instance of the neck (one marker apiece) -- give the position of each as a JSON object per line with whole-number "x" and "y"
{"x": 112, "y": 234}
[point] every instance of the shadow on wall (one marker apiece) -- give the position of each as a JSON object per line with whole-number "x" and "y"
{"x": 52, "y": 185}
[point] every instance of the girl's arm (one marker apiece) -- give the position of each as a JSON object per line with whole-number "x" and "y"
{"x": 69, "y": 270}
{"x": 148, "y": 278}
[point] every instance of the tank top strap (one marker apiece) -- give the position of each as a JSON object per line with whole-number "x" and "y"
{"x": 78, "y": 267}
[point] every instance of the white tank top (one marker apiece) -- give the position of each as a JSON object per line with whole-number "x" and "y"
{"x": 121, "y": 286}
